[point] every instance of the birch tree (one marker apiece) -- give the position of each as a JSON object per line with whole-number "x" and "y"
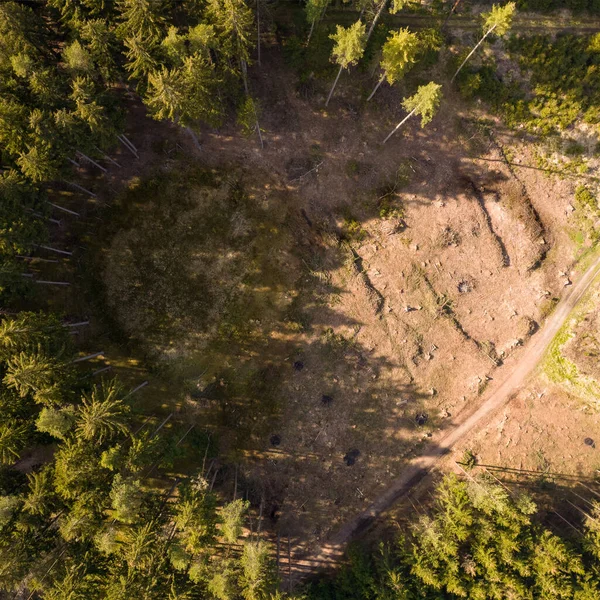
{"x": 315, "y": 9}
{"x": 399, "y": 53}
{"x": 497, "y": 21}
{"x": 424, "y": 103}
{"x": 348, "y": 49}
{"x": 396, "y": 6}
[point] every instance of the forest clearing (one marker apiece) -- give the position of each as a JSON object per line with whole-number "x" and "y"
{"x": 310, "y": 275}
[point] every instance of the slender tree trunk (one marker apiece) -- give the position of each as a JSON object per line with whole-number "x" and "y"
{"x": 56, "y": 250}
{"x": 194, "y": 138}
{"x": 316, "y": 20}
{"x": 454, "y": 7}
{"x": 102, "y": 370}
{"x": 262, "y": 145}
{"x": 43, "y": 282}
{"x": 312, "y": 28}
{"x": 79, "y": 324}
{"x": 381, "y": 80}
{"x": 376, "y": 19}
{"x": 333, "y": 86}
{"x": 45, "y": 260}
{"x": 162, "y": 425}
{"x": 92, "y": 161}
{"x": 41, "y": 216}
{"x": 71, "y": 212}
{"x": 137, "y": 389}
{"x": 258, "y": 31}
{"x": 88, "y": 357}
{"x": 73, "y": 162}
{"x": 244, "y": 68}
{"x": 129, "y": 142}
{"x": 406, "y": 118}
{"x": 81, "y": 189}
{"x": 464, "y": 62}
{"x": 132, "y": 150}
{"x": 108, "y": 158}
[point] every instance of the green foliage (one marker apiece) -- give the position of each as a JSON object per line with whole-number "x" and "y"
{"x": 77, "y": 58}
{"x": 349, "y": 44}
{"x": 480, "y": 543}
{"x": 13, "y": 438}
{"x": 126, "y": 499}
{"x": 56, "y": 421}
{"x": 399, "y": 53}
{"x": 102, "y": 413}
{"x": 425, "y": 102}
{"x": 257, "y": 577}
{"x": 247, "y": 116}
{"x": 499, "y": 19}
{"x": 232, "y": 518}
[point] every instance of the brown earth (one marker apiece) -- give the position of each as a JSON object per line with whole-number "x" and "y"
{"x": 433, "y": 261}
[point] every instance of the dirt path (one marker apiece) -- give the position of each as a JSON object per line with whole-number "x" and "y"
{"x": 419, "y": 467}
{"x": 532, "y": 22}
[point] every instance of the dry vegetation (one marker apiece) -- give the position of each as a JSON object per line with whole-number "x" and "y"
{"x": 328, "y": 294}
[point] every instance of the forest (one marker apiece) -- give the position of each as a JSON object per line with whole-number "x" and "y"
{"x": 194, "y": 195}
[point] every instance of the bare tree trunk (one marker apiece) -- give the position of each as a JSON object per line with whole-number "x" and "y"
{"x": 162, "y": 425}
{"x": 262, "y": 145}
{"x": 81, "y": 189}
{"x": 129, "y": 142}
{"x": 194, "y": 138}
{"x": 244, "y": 68}
{"x": 136, "y": 389}
{"x": 258, "y": 31}
{"x": 46, "y": 260}
{"x": 454, "y": 7}
{"x": 71, "y": 212}
{"x": 464, "y": 62}
{"x": 102, "y": 370}
{"x": 381, "y": 80}
{"x": 408, "y": 116}
{"x": 79, "y": 324}
{"x": 43, "y": 282}
{"x": 92, "y": 161}
{"x": 376, "y": 19}
{"x": 312, "y": 28}
{"x": 128, "y": 145}
{"x": 88, "y": 357}
{"x": 56, "y": 250}
{"x": 41, "y": 216}
{"x": 108, "y": 158}
{"x": 73, "y": 162}
{"x": 333, "y": 86}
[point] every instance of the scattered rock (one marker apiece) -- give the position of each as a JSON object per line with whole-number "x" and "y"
{"x": 589, "y": 442}
{"x": 465, "y": 286}
{"x": 275, "y": 440}
{"x": 421, "y": 419}
{"x": 351, "y": 456}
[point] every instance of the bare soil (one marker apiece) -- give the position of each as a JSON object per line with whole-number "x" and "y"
{"x": 400, "y": 276}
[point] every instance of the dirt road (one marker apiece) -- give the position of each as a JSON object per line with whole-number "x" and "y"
{"x": 419, "y": 467}
{"x": 522, "y": 23}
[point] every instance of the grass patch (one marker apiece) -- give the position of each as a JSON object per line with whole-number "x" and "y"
{"x": 561, "y": 370}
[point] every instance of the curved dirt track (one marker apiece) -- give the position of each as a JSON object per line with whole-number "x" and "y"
{"x": 419, "y": 467}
